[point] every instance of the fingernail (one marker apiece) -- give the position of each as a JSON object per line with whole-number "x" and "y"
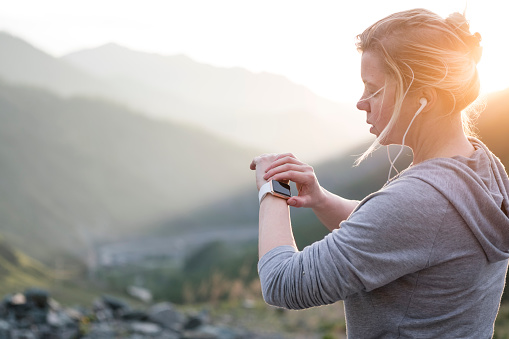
{"x": 291, "y": 202}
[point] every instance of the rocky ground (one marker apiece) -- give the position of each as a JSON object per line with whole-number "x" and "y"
{"x": 35, "y": 315}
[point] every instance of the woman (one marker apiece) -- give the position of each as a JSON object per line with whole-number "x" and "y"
{"x": 425, "y": 256}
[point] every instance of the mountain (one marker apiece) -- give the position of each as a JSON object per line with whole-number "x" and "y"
{"x": 260, "y": 109}
{"x": 78, "y": 171}
{"x": 23, "y": 64}
{"x": 225, "y": 88}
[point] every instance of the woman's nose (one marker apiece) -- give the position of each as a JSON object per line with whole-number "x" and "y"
{"x": 362, "y": 105}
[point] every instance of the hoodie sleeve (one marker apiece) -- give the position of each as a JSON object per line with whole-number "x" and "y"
{"x": 389, "y": 235}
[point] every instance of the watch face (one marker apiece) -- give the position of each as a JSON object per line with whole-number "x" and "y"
{"x": 281, "y": 189}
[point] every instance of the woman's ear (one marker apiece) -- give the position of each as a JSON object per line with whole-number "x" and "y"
{"x": 430, "y": 95}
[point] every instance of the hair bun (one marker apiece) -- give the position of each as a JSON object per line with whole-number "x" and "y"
{"x": 461, "y": 27}
{"x": 459, "y": 23}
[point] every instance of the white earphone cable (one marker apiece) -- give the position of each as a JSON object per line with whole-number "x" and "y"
{"x": 392, "y": 162}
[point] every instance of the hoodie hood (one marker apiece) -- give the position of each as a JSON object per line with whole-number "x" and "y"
{"x": 478, "y": 188}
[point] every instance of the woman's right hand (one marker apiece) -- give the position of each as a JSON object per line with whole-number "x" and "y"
{"x": 288, "y": 167}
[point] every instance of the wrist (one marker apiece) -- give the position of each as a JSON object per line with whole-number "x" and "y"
{"x": 260, "y": 183}
{"x": 276, "y": 189}
{"x": 321, "y": 200}
{"x": 270, "y": 199}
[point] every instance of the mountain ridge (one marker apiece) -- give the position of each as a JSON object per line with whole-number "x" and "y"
{"x": 77, "y": 170}
{"x": 230, "y": 102}
{"x": 23, "y": 64}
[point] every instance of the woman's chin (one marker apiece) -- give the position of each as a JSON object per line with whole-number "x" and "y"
{"x": 384, "y": 141}
{"x": 374, "y": 131}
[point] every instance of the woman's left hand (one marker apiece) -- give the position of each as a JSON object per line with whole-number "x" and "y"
{"x": 260, "y": 165}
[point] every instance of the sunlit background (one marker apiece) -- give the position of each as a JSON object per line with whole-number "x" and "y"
{"x": 310, "y": 42}
{"x": 127, "y": 129}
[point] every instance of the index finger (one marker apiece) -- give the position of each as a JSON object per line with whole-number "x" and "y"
{"x": 282, "y": 159}
{"x": 284, "y": 155}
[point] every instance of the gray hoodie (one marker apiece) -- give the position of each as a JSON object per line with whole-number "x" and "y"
{"x": 424, "y": 257}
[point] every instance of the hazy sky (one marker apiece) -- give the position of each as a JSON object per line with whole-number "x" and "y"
{"x": 310, "y": 42}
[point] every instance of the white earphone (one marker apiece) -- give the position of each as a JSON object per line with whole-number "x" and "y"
{"x": 423, "y": 101}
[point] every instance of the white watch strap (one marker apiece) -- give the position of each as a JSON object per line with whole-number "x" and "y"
{"x": 264, "y": 190}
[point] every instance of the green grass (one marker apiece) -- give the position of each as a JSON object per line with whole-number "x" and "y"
{"x": 19, "y": 271}
{"x": 502, "y": 322}
{"x": 256, "y": 316}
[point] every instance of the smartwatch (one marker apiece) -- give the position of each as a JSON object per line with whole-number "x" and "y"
{"x": 276, "y": 188}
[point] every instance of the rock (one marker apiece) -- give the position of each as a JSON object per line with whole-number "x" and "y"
{"x": 37, "y": 303}
{"x": 22, "y": 334}
{"x": 168, "y": 334}
{"x": 34, "y": 315}
{"x": 140, "y": 293}
{"x": 145, "y": 328}
{"x": 213, "y": 332}
{"x": 4, "y": 329}
{"x": 31, "y": 315}
{"x": 248, "y": 303}
{"x": 101, "y": 310}
{"x": 114, "y": 304}
{"x": 59, "y": 319}
{"x": 74, "y": 314}
{"x": 108, "y": 307}
{"x": 135, "y": 315}
{"x": 165, "y": 315}
{"x": 197, "y": 320}
{"x": 100, "y": 330}
{"x": 18, "y": 299}
{"x": 16, "y": 309}
{"x": 37, "y": 298}
{"x": 192, "y": 323}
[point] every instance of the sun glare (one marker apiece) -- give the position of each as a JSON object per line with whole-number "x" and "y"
{"x": 488, "y": 18}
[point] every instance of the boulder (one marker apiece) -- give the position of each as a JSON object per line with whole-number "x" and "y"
{"x": 166, "y": 315}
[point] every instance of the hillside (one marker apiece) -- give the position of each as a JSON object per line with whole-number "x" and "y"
{"x": 229, "y": 101}
{"x": 225, "y": 88}
{"x": 18, "y": 271}
{"x": 260, "y": 110}
{"x": 21, "y": 63}
{"x": 77, "y": 171}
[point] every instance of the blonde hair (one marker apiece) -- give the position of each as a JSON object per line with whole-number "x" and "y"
{"x": 421, "y": 49}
